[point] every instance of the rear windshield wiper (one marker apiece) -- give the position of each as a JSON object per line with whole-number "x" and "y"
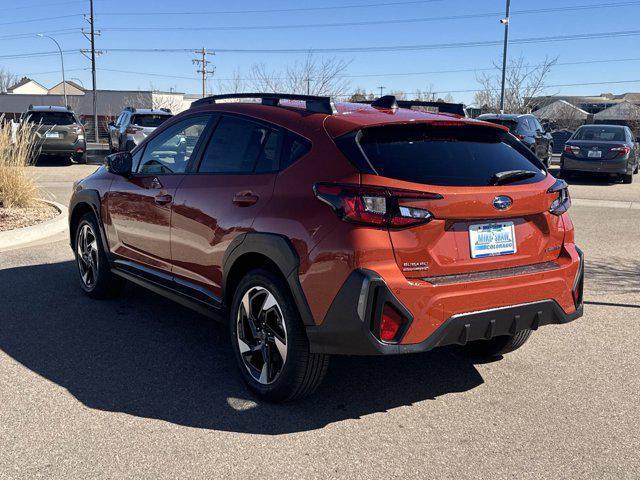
{"x": 509, "y": 176}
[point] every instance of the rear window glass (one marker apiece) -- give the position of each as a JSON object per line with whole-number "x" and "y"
{"x": 149, "y": 120}
{"x": 51, "y": 118}
{"x": 449, "y": 156}
{"x": 604, "y": 134}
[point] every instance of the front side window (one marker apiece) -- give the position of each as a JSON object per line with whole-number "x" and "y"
{"x": 171, "y": 150}
{"x": 235, "y": 147}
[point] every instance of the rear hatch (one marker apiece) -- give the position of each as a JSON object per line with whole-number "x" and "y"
{"x": 597, "y": 143}
{"x": 55, "y": 128}
{"x": 482, "y": 218}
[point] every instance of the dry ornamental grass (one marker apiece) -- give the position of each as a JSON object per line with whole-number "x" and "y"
{"x": 18, "y": 150}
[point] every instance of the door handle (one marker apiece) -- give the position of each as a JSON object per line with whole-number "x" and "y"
{"x": 163, "y": 199}
{"x": 245, "y": 199}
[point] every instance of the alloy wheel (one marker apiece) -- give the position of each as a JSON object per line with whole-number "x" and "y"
{"x": 87, "y": 255}
{"x": 262, "y": 335}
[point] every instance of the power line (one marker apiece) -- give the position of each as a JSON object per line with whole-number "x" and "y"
{"x": 272, "y": 10}
{"x": 386, "y": 74}
{"x": 392, "y": 48}
{"x": 42, "y": 19}
{"x": 47, "y": 4}
{"x": 38, "y": 54}
{"x": 66, "y": 31}
{"x": 558, "y": 85}
{"x": 289, "y": 26}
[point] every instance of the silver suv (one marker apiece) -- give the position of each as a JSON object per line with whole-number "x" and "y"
{"x": 134, "y": 125}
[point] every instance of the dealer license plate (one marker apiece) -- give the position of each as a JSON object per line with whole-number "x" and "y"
{"x": 490, "y": 239}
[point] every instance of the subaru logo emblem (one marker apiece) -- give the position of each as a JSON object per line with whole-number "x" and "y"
{"x": 502, "y": 203}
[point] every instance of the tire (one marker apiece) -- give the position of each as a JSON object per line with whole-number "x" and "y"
{"x": 82, "y": 159}
{"x": 497, "y": 346}
{"x": 635, "y": 172}
{"x": 627, "y": 178}
{"x": 94, "y": 272}
{"x": 275, "y": 333}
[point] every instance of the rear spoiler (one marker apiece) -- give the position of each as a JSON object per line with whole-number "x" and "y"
{"x": 391, "y": 102}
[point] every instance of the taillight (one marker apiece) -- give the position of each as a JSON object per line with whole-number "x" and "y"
{"x": 562, "y": 203}
{"x": 78, "y": 130}
{"x": 375, "y": 206}
{"x": 390, "y": 323}
{"x": 621, "y": 151}
{"x": 572, "y": 149}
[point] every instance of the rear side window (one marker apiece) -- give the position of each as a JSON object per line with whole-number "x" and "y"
{"x": 149, "y": 120}
{"x": 234, "y": 146}
{"x": 51, "y": 118}
{"x": 448, "y": 156}
{"x": 600, "y": 134}
{"x": 294, "y": 147}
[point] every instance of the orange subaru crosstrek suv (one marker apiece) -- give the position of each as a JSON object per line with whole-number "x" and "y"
{"x": 317, "y": 228}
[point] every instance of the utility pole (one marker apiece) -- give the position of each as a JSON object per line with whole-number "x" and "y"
{"x": 91, "y": 55}
{"x": 381, "y": 89}
{"x": 505, "y": 22}
{"x": 203, "y": 62}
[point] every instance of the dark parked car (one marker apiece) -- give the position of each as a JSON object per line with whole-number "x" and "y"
{"x": 608, "y": 149}
{"x": 316, "y": 229}
{"x": 528, "y": 130}
{"x": 60, "y": 132}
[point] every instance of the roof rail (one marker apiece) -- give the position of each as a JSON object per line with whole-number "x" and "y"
{"x": 314, "y": 103}
{"x": 168, "y": 110}
{"x": 129, "y": 109}
{"x": 390, "y": 102}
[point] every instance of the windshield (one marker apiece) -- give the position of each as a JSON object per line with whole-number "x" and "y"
{"x": 51, "y": 118}
{"x": 149, "y": 120}
{"x": 450, "y": 156}
{"x": 604, "y": 134}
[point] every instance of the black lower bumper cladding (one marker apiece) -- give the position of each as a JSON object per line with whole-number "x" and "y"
{"x": 347, "y": 327}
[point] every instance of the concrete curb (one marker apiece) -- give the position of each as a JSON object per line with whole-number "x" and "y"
{"x": 586, "y": 202}
{"x": 19, "y": 236}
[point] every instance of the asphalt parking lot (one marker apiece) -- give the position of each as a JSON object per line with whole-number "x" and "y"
{"x": 140, "y": 387}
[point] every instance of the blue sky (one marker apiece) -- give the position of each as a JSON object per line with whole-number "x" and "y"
{"x": 17, "y": 18}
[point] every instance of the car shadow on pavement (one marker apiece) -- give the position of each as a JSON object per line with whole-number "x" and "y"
{"x": 617, "y": 275}
{"x": 146, "y": 356}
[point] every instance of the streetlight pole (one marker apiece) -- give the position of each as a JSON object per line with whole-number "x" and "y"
{"x": 505, "y": 22}
{"x": 64, "y": 82}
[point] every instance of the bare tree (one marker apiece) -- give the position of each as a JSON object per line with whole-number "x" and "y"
{"x": 523, "y": 83}
{"x": 361, "y": 95}
{"x": 235, "y": 84}
{"x": 312, "y": 76}
{"x": 7, "y": 79}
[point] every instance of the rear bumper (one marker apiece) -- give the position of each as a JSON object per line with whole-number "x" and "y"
{"x": 63, "y": 148}
{"x": 594, "y": 166}
{"x": 349, "y": 325}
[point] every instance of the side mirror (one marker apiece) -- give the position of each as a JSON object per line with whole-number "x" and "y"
{"x": 120, "y": 163}
{"x": 111, "y": 124}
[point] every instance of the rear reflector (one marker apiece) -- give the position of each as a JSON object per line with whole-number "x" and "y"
{"x": 375, "y": 206}
{"x": 390, "y": 323}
